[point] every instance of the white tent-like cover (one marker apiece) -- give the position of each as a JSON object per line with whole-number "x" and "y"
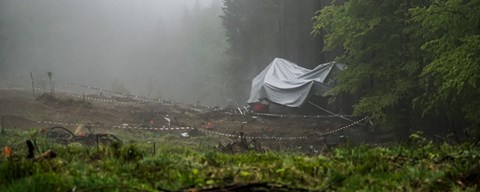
{"x": 288, "y": 84}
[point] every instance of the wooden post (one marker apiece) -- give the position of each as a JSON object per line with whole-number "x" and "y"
{"x": 33, "y": 84}
{"x": 154, "y": 149}
{"x": 50, "y": 78}
{"x": 3, "y": 124}
{"x": 96, "y": 137}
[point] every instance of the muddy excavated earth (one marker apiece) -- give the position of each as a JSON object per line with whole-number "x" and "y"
{"x": 225, "y": 129}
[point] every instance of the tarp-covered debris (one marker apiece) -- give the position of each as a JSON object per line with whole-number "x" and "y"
{"x": 286, "y": 83}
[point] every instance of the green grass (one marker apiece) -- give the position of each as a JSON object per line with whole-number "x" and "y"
{"x": 421, "y": 166}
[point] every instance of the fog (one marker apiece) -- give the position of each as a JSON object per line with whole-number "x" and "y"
{"x": 171, "y": 49}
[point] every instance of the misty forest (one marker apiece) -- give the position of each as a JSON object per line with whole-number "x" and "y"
{"x": 239, "y": 95}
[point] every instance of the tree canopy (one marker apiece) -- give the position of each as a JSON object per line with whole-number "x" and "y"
{"x": 407, "y": 58}
{"x": 451, "y": 32}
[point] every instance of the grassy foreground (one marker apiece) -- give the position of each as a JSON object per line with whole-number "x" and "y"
{"x": 133, "y": 167}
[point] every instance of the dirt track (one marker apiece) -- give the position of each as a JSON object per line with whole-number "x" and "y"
{"x": 23, "y": 111}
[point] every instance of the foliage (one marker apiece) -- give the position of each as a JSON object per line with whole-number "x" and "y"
{"x": 383, "y": 63}
{"x": 407, "y": 58}
{"x": 451, "y": 32}
{"x": 421, "y": 166}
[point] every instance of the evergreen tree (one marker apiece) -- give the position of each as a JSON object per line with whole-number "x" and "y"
{"x": 260, "y": 30}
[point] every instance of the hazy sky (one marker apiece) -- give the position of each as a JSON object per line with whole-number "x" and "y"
{"x": 98, "y": 42}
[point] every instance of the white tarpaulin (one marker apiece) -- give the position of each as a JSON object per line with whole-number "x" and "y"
{"x": 288, "y": 84}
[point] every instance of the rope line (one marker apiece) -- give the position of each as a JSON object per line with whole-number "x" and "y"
{"x": 329, "y": 111}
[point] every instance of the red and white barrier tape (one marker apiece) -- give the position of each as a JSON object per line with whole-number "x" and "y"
{"x": 12, "y": 89}
{"x": 66, "y": 124}
{"x": 252, "y": 137}
{"x": 179, "y": 129}
{"x": 205, "y": 130}
{"x": 344, "y": 127}
{"x": 288, "y": 115}
{"x": 154, "y": 128}
{"x": 297, "y": 116}
{"x": 140, "y": 97}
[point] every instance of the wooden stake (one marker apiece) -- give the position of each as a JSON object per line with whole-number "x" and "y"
{"x": 3, "y": 124}
{"x": 33, "y": 84}
{"x": 154, "y": 150}
{"x": 98, "y": 147}
{"x": 50, "y": 78}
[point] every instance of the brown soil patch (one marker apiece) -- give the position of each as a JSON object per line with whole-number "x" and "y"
{"x": 22, "y": 110}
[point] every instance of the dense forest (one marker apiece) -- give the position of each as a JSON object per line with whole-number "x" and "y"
{"x": 412, "y": 64}
{"x": 259, "y": 31}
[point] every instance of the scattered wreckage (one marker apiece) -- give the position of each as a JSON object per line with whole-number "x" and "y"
{"x": 59, "y": 134}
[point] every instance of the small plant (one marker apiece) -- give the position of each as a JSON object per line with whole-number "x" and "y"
{"x": 131, "y": 152}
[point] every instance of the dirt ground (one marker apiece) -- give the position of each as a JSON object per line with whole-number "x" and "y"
{"x": 22, "y": 110}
